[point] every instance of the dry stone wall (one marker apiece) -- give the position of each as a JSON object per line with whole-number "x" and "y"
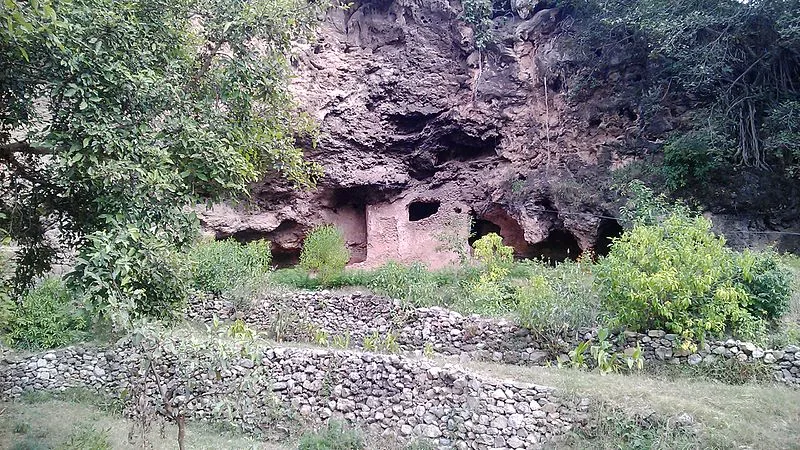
{"x": 358, "y": 316}
{"x": 387, "y": 394}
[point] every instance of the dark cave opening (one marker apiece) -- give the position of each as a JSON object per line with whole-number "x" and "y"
{"x": 460, "y": 146}
{"x": 497, "y": 220}
{"x": 480, "y": 228}
{"x": 349, "y": 213}
{"x": 283, "y": 258}
{"x": 606, "y": 232}
{"x": 420, "y": 210}
{"x": 559, "y": 246}
{"x": 284, "y": 241}
{"x": 245, "y": 236}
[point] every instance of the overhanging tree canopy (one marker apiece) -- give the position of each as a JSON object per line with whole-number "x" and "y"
{"x": 114, "y": 115}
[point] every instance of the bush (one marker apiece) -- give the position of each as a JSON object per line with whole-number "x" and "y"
{"x": 133, "y": 273}
{"x": 220, "y": 267}
{"x": 335, "y": 436}
{"x": 690, "y": 158}
{"x": 324, "y": 253}
{"x": 413, "y": 283}
{"x": 46, "y": 317}
{"x": 679, "y": 276}
{"x": 766, "y": 281}
{"x": 558, "y": 299}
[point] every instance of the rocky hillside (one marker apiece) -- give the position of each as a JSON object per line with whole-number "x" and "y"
{"x": 427, "y": 140}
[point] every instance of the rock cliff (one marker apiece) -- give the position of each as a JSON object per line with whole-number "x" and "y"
{"x": 427, "y": 141}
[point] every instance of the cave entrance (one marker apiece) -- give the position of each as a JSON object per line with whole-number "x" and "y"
{"x": 283, "y": 258}
{"x": 420, "y": 210}
{"x": 349, "y": 214}
{"x": 559, "y": 246}
{"x": 480, "y": 228}
{"x": 285, "y": 241}
{"x": 497, "y": 220}
{"x": 607, "y": 231}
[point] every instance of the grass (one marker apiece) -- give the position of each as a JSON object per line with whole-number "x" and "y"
{"x": 746, "y": 416}
{"x": 74, "y": 421}
{"x": 563, "y": 294}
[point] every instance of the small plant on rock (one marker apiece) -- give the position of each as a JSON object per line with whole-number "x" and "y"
{"x": 325, "y": 253}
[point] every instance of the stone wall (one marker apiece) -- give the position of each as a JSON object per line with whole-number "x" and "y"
{"x": 387, "y": 394}
{"x": 447, "y": 332}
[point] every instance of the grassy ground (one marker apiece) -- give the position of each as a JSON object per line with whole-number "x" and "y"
{"x": 749, "y": 416}
{"x": 61, "y": 424}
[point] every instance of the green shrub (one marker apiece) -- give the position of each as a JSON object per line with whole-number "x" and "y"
{"x": 679, "y": 276}
{"x": 558, "y": 299}
{"x": 336, "y": 436}
{"x": 220, "y": 267}
{"x": 324, "y": 253}
{"x": 690, "y": 158}
{"x": 491, "y": 292}
{"x": 413, "y": 282}
{"x": 766, "y": 281}
{"x": 134, "y": 273}
{"x": 46, "y": 317}
{"x": 490, "y": 251}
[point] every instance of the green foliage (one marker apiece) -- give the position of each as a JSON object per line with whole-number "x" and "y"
{"x": 689, "y": 159}
{"x": 134, "y": 273}
{"x": 218, "y": 267}
{"x": 414, "y": 283}
{"x": 490, "y": 251}
{"x": 766, "y": 281}
{"x": 336, "y": 436}
{"x": 782, "y": 128}
{"x": 490, "y": 289}
{"x": 478, "y": 13}
{"x": 643, "y": 206}
{"x": 603, "y": 356}
{"x": 737, "y": 60}
{"x": 325, "y": 253}
{"x": 558, "y": 299}
{"x": 377, "y": 342}
{"x": 120, "y": 114}
{"x": 679, "y": 276}
{"x": 45, "y": 318}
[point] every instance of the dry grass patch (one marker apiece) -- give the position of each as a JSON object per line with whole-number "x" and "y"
{"x": 748, "y": 416}
{"x": 51, "y": 424}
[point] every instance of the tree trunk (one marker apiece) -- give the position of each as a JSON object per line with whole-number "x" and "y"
{"x": 181, "y": 421}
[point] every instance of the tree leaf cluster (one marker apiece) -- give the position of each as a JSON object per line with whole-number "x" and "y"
{"x": 117, "y": 115}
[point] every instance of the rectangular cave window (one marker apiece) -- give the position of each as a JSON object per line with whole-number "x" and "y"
{"x": 422, "y": 210}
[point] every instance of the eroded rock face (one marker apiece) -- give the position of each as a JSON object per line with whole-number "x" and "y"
{"x": 411, "y": 113}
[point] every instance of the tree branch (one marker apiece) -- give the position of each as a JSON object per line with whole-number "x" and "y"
{"x": 24, "y": 147}
{"x": 207, "y": 61}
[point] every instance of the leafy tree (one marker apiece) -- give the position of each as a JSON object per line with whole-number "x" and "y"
{"x": 737, "y": 60}
{"x": 116, "y": 115}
